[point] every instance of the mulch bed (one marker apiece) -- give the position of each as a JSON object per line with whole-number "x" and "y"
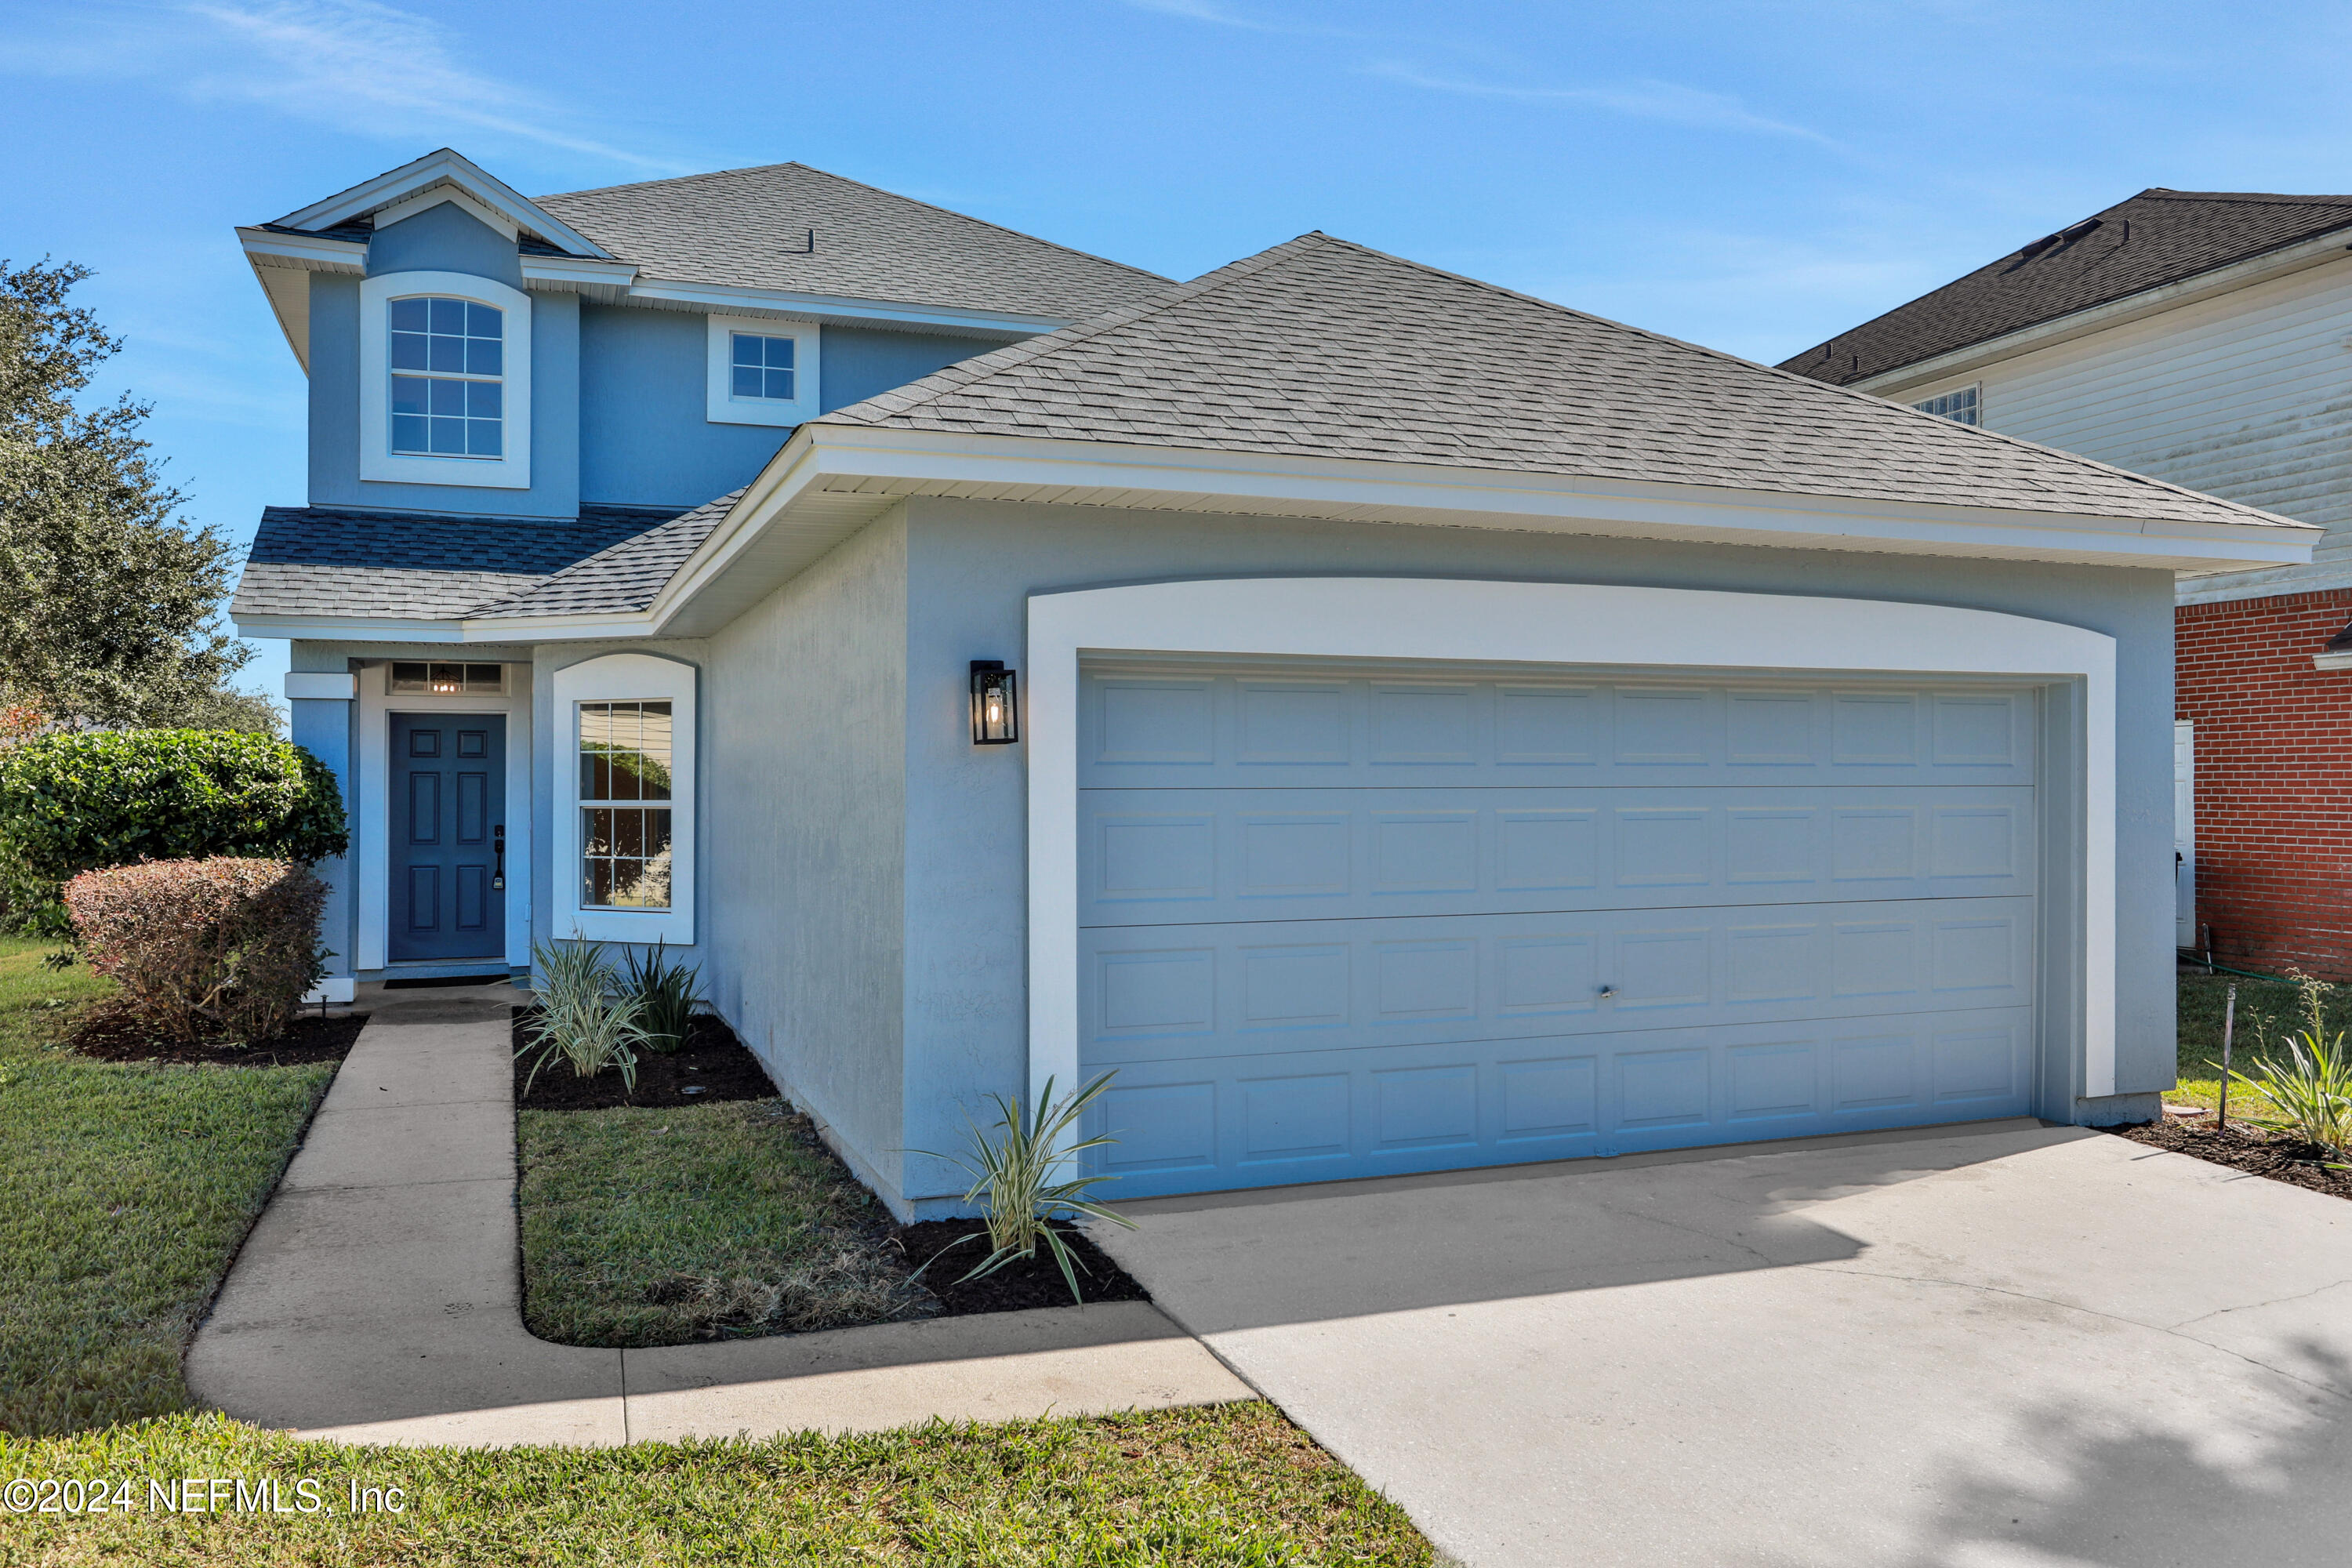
{"x": 1016, "y": 1287}
{"x": 712, "y": 1063}
{"x": 2288, "y": 1160}
{"x": 111, "y": 1034}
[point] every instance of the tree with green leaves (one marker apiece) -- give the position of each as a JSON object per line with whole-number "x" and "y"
{"x": 108, "y": 598}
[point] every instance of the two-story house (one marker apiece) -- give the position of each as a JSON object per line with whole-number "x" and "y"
{"x": 1390, "y": 722}
{"x": 2203, "y": 337}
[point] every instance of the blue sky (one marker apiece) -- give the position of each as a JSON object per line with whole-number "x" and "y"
{"x": 1752, "y": 175}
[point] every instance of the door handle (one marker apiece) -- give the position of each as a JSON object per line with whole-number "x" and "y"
{"x": 498, "y": 848}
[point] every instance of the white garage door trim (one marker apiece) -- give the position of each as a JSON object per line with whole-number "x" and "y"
{"x": 1392, "y": 619}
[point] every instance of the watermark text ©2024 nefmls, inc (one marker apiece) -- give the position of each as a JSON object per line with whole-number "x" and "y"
{"x": 197, "y": 1494}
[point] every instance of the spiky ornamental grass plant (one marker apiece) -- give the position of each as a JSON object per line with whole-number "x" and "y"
{"x": 1013, "y": 1177}
{"x": 2312, "y": 1087}
{"x": 579, "y": 1023}
{"x": 667, "y": 992}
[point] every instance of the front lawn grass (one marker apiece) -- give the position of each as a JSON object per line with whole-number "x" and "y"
{"x": 660, "y": 1228}
{"x": 1233, "y": 1484}
{"x": 125, "y": 1190}
{"x": 2267, "y": 1008}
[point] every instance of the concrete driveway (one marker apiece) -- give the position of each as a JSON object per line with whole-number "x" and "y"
{"x": 2003, "y": 1345}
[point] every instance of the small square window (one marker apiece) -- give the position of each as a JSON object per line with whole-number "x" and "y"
{"x": 762, "y": 367}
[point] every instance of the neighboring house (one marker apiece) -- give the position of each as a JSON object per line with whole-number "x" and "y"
{"x": 1448, "y": 729}
{"x": 2203, "y": 337}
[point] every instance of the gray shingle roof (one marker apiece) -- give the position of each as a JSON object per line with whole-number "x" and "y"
{"x": 2147, "y": 241}
{"x": 749, "y": 227}
{"x": 1320, "y": 347}
{"x": 622, "y": 577}
{"x": 320, "y": 560}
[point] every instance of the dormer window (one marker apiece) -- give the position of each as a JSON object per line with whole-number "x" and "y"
{"x": 763, "y": 371}
{"x": 458, "y": 410}
{"x": 445, "y": 380}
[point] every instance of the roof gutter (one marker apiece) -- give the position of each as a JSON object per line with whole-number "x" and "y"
{"x": 2300, "y": 256}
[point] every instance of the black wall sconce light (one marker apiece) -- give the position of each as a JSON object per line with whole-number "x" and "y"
{"x": 995, "y": 704}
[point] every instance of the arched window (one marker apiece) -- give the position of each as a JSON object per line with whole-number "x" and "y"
{"x": 445, "y": 380}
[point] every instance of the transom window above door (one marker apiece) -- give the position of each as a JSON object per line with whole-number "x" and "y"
{"x": 448, "y": 370}
{"x": 625, "y": 756}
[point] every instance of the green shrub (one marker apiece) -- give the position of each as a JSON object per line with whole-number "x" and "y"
{"x": 70, "y": 804}
{"x": 2312, "y": 1086}
{"x": 579, "y": 1022}
{"x": 226, "y": 946}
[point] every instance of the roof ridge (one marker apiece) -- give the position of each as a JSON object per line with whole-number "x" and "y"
{"x": 970, "y": 373}
{"x": 877, "y": 190}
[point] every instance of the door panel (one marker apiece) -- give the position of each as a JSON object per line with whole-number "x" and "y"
{"x": 449, "y": 781}
{"x": 1343, "y": 925}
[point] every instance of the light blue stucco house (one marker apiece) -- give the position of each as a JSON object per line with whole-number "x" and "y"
{"x": 1439, "y": 728}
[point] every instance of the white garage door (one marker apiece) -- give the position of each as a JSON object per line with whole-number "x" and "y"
{"x": 1352, "y": 923}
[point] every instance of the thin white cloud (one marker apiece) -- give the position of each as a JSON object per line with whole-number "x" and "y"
{"x": 354, "y": 64}
{"x": 1218, "y": 16}
{"x": 1663, "y": 101}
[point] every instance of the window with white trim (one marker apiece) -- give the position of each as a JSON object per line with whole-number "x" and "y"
{"x": 448, "y": 377}
{"x": 624, "y": 805}
{"x": 445, "y": 380}
{"x": 762, "y": 372}
{"x": 1958, "y": 405}
{"x": 626, "y": 809}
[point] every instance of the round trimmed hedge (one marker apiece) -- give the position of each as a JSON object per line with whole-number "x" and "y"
{"x": 70, "y": 804}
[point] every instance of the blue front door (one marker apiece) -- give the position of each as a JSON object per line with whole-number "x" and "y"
{"x": 448, "y": 836}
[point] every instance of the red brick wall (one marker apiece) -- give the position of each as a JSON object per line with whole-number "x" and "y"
{"x": 2273, "y": 779}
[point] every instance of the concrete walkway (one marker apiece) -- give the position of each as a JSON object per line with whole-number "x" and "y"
{"x": 379, "y": 1299}
{"x": 2005, "y": 1346}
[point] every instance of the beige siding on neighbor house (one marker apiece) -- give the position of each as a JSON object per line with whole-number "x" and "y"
{"x": 2247, "y": 396}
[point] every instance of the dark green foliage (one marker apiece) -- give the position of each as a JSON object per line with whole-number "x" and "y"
{"x": 70, "y": 804}
{"x": 667, "y": 992}
{"x": 108, "y": 599}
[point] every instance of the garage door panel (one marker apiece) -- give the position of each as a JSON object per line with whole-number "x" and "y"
{"x": 1147, "y": 728}
{"x": 1248, "y": 987}
{"x": 1351, "y": 921}
{"x": 1194, "y": 855}
{"x": 1200, "y": 1124}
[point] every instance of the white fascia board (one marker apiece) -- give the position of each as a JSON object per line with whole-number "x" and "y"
{"x": 1243, "y": 481}
{"x": 445, "y": 166}
{"x": 559, "y": 273}
{"x": 2331, "y": 661}
{"x": 2316, "y": 252}
{"x": 736, "y": 300}
{"x": 305, "y": 252}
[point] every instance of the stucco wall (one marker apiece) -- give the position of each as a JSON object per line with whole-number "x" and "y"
{"x": 805, "y": 809}
{"x": 443, "y": 239}
{"x": 646, "y": 433}
{"x": 971, "y": 566}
